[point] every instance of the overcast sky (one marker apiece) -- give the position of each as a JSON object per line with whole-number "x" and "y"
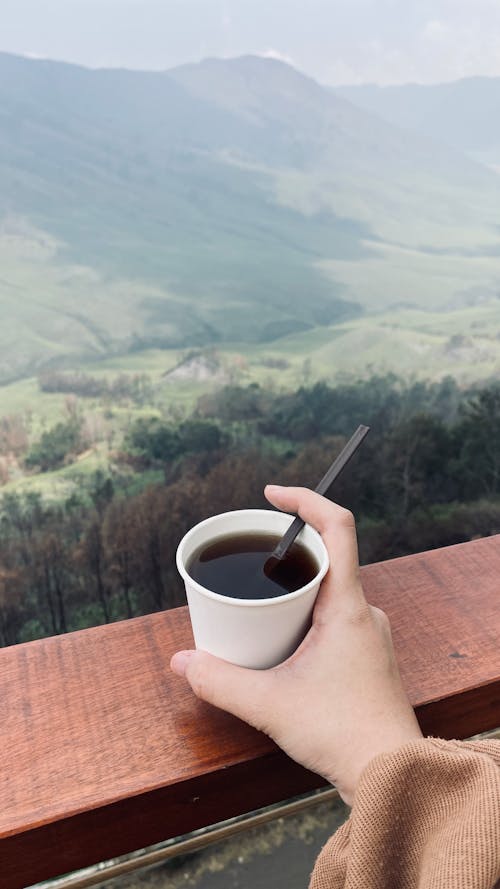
{"x": 336, "y": 41}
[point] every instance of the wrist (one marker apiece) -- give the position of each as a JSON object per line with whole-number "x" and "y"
{"x": 347, "y": 779}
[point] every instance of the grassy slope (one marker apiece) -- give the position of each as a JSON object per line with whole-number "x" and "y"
{"x": 395, "y": 276}
{"x": 427, "y": 345}
{"x": 47, "y": 318}
{"x": 124, "y": 174}
{"x": 224, "y": 202}
{"x": 463, "y": 343}
{"x": 53, "y": 309}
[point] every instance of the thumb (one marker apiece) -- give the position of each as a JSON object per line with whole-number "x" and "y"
{"x": 242, "y": 692}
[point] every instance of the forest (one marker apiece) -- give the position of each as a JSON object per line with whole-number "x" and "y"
{"x": 427, "y": 476}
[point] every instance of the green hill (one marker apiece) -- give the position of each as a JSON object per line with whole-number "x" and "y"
{"x": 233, "y": 200}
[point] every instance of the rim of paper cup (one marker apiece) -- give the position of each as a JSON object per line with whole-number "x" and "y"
{"x": 252, "y": 603}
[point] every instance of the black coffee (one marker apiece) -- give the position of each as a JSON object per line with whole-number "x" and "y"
{"x": 234, "y": 566}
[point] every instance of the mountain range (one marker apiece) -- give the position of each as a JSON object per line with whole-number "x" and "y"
{"x": 232, "y": 200}
{"x": 464, "y": 113}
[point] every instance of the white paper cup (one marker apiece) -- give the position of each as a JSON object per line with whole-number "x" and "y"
{"x": 257, "y": 633}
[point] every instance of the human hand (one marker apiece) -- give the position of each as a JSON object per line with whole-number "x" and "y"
{"x": 338, "y": 701}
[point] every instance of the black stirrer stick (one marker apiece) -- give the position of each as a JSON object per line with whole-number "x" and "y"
{"x": 323, "y": 487}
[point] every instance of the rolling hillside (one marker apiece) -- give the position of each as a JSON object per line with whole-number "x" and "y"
{"x": 228, "y": 201}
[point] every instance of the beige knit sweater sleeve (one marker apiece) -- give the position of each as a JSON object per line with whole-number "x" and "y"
{"x": 424, "y": 817}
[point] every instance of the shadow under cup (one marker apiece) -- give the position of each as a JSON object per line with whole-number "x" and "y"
{"x": 257, "y": 633}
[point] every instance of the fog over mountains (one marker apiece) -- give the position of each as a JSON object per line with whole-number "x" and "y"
{"x": 464, "y": 114}
{"x": 234, "y": 200}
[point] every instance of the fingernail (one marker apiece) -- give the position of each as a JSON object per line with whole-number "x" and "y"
{"x": 276, "y": 488}
{"x": 179, "y": 662}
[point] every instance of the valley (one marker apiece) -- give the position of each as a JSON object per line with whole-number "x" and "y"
{"x": 230, "y": 202}
{"x": 411, "y": 345}
{"x": 231, "y": 223}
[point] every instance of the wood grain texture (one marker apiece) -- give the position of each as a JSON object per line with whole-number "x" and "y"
{"x": 104, "y": 751}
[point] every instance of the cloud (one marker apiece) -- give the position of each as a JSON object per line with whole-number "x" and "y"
{"x": 435, "y": 30}
{"x": 439, "y": 40}
{"x": 34, "y": 55}
{"x": 386, "y": 41}
{"x": 459, "y": 48}
{"x": 276, "y": 54}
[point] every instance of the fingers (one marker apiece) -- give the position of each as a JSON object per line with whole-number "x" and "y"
{"x": 240, "y": 691}
{"x": 337, "y": 528}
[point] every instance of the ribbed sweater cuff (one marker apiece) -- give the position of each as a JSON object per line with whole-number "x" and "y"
{"x": 426, "y": 816}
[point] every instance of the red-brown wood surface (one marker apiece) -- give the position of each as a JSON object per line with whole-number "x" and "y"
{"x": 103, "y": 750}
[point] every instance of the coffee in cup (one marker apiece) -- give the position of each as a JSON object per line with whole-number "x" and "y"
{"x": 239, "y": 566}
{"x": 265, "y": 625}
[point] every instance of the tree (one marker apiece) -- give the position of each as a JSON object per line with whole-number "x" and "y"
{"x": 478, "y": 440}
{"x": 153, "y": 439}
{"x": 12, "y": 612}
{"x": 199, "y": 436}
{"x": 55, "y": 446}
{"x": 119, "y": 536}
{"x": 91, "y": 556}
{"x": 416, "y": 459}
{"x": 13, "y": 435}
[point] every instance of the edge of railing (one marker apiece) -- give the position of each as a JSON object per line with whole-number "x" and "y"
{"x": 104, "y": 751}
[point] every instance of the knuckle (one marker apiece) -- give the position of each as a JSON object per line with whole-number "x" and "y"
{"x": 360, "y": 613}
{"x": 347, "y": 517}
{"x": 380, "y": 615}
{"x": 341, "y": 516}
{"x": 382, "y": 620}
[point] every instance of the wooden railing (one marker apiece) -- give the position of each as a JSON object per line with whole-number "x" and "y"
{"x": 104, "y": 751}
